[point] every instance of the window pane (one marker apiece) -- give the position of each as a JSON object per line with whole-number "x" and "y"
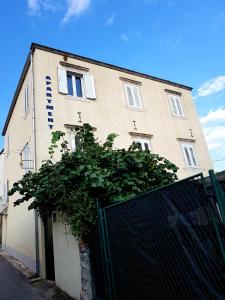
{"x": 77, "y": 141}
{"x": 193, "y": 156}
{"x": 136, "y": 97}
{"x": 26, "y": 158}
{"x": 146, "y": 146}
{"x": 174, "y": 109}
{"x": 78, "y": 86}
{"x": 139, "y": 146}
{"x": 70, "y": 84}
{"x": 130, "y": 97}
{"x": 179, "y": 109}
{"x": 187, "y": 156}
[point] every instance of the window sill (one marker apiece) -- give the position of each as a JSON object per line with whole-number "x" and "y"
{"x": 140, "y": 109}
{"x": 179, "y": 117}
{"x": 192, "y": 168}
{"x": 82, "y": 99}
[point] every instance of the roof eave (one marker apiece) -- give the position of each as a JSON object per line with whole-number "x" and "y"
{"x": 82, "y": 58}
{"x": 107, "y": 65}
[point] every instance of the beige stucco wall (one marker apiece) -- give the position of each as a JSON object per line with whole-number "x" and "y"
{"x": 20, "y": 235}
{"x": 2, "y": 158}
{"x": 67, "y": 261}
{"x": 110, "y": 112}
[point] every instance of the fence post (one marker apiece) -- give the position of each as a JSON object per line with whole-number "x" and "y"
{"x": 101, "y": 245}
{"x": 218, "y": 193}
{"x": 212, "y": 212}
{"x": 105, "y": 255}
{"x": 112, "y": 282}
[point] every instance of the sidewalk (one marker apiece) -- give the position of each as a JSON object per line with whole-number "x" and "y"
{"x": 14, "y": 283}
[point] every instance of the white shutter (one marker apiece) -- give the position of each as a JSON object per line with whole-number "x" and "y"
{"x": 72, "y": 141}
{"x": 90, "y": 86}
{"x": 189, "y": 155}
{"x": 136, "y": 96}
{"x": 62, "y": 81}
{"x": 179, "y": 107}
{"x": 173, "y": 105}
{"x": 129, "y": 95}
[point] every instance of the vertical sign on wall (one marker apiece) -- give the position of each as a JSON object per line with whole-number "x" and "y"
{"x": 49, "y": 100}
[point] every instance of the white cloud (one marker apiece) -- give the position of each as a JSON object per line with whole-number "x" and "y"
{"x": 214, "y": 116}
{"x": 36, "y": 7}
{"x": 215, "y": 133}
{"x": 215, "y": 137}
{"x": 124, "y": 37}
{"x": 75, "y": 8}
{"x": 214, "y": 146}
{"x": 33, "y": 6}
{"x": 211, "y": 86}
{"x": 111, "y": 19}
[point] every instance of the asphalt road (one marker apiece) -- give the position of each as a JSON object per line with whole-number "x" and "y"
{"x": 13, "y": 284}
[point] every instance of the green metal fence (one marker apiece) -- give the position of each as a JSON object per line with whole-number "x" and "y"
{"x": 165, "y": 244}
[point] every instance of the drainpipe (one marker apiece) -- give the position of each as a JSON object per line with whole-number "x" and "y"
{"x": 34, "y": 162}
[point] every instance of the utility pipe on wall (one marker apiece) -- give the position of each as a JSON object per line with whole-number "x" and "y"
{"x": 34, "y": 162}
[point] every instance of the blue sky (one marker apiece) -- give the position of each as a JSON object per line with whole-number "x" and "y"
{"x": 179, "y": 40}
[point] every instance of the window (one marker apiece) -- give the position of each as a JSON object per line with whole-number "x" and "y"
{"x": 133, "y": 96}
{"x": 189, "y": 155}
{"x": 26, "y": 158}
{"x": 143, "y": 144}
{"x": 74, "y": 141}
{"x": 76, "y": 85}
{"x": 26, "y": 100}
{"x": 175, "y": 104}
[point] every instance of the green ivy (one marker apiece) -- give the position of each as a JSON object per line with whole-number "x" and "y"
{"x": 94, "y": 171}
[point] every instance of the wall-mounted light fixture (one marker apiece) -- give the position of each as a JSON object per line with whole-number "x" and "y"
{"x": 134, "y": 123}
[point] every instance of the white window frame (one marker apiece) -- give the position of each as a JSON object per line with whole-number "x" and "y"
{"x": 175, "y": 105}
{"x": 87, "y": 84}
{"x": 189, "y": 155}
{"x": 73, "y": 145}
{"x": 26, "y": 100}
{"x": 133, "y": 87}
{"x": 74, "y": 75}
{"x": 143, "y": 141}
{"x": 25, "y": 156}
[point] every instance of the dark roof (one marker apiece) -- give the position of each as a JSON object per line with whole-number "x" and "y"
{"x": 82, "y": 58}
{"x": 1, "y": 151}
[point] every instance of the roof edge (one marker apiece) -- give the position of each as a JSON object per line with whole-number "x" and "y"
{"x": 107, "y": 65}
{"x": 18, "y": 88}
{"x": 82, "y": 58}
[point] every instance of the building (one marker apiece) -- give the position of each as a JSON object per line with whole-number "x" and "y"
{"x": 58, "y": 90}
{"x": 3, "y": 196}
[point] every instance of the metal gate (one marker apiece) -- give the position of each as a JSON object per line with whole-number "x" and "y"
{"x": 165, "y": 244}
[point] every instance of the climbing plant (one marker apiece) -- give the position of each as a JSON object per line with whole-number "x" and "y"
{"x": 94, "y": 171}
